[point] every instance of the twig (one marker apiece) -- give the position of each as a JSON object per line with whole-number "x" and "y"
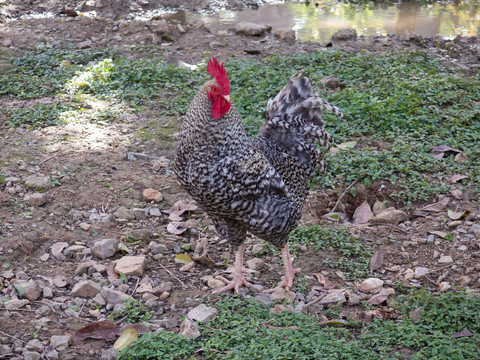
{"x": 313, "y": 302}
{"x": 136, "y": 285}
{"x": 440, "y": 269}
{"x": 343, "y": 193}
{"x": 389, "y": 225}
{"x": 171, "y": 274}
{"x": 13, "y": 337}
{"x": 44, "y": 161}
{"x": 430, "y": 280}
{"x": 24, "y": 310}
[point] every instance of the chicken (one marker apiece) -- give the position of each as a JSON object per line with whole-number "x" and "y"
{"x": 257, "y": 185}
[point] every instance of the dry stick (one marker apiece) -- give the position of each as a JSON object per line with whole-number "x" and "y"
{"x": 343, "y": 193}
{"x": 440, "y": 269}
{"x": 23, "y": 310}
{"x": 44, "y": 161}
{"x": 313, "y": 302}
{"x": 13, "y": 337}
{"x": 136, "y": 285}
{"x": 171, "y": 274}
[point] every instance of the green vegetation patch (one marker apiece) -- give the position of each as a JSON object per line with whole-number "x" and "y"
{"x": 407, "y": 101}
{"x": 244, "y": 329}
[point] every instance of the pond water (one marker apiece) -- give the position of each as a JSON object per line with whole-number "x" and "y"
{"x": 320, "y": 19}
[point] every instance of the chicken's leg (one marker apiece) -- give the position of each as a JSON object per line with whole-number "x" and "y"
{"x": 238, "y": 278}
{"x": 288, "y": 269}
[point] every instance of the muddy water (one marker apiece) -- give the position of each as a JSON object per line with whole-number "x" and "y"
{"x": 318, "y": 21}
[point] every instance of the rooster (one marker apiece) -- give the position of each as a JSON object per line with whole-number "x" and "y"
{"x": 257, "y": 185}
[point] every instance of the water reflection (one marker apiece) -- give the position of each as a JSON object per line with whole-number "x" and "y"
{"x": 318, "y": 21}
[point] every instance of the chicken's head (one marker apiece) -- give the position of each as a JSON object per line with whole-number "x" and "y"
{"x": 219, "y": 91}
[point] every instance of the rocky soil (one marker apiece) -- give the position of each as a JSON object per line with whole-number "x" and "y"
{"x": 75, "y": 215}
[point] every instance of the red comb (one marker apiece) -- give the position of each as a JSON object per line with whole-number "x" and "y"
{"x": 218, "y": 72}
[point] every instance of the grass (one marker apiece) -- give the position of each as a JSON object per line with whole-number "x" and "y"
{"x": 408, "y": 101}
{"x": 244, "y": 329}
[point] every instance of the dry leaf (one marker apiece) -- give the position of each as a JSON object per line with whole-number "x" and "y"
{"x": 100, "y": 330}
{"x": 321, "y": 278}
{"x": 438, "y": 233}
{"x": 180, "y": 207}
{"x": 58, "y": 247}
{"x": 460, "y": 158}
{"x": 379, "y": 298}
{"x": 45, "y": 257}
{"x": 201, "y": 252}
{"x": 445, "y": 148}
{"x": 128, "y": 336}
{"x": 457, "y": 194}
{"x": 376, "y": 261}
{"x": 455, "y": 215}
{"x": 455, "y": 178}
{"x": 335, "y": 322}
{"x": 183, "y": 259}
{"x": 463, "y": 333}
{"x": 436, "y": 207}
{"x": 362, "y": 214}
{"x": 176, "y": 228}
{"x": 347, "y": 145}
{"x": 111, "y": 274}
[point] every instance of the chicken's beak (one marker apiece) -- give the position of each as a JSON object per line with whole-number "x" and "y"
{"x": 227, "y": 97}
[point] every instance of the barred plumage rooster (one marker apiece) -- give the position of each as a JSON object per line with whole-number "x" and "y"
{"x": 257, "y": 185}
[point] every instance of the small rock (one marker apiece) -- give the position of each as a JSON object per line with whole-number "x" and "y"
{"x": 140, "y": 214}
{"x": 152, "y": 195}
{"x": 84, "y": 226}
{"x": 202, "y": 313}
{"x": 255, "y": 264}
{"x": 114, "y": 297}
{"x": 215, "y": 283}
{"x": 345, "y": 34}
{"x": 417, "y": 313}
{"x": 279, "y": 308}
{"x": 281, "y": 294}
{"x": 444, "y": 286}
{"x": 38, "y": 182}
{"x": 251, "y": 29}
{"x": 33, "y": 291}
{"x": 105, "y": 248}
{"x": 35, "y": 345}
{"x": 353, "y": 299}
{"x": 446, "y": 259}
{"x": 464, "y": 280}
{"x": 157, "y": 248}
{"x": 16, "y": 304}
{"x": 420, "y": 272}
{"x": 5, "y": 349}
{"x": 36, "y": 199}
{"x": 391, "y": 216}
{"x": 288, "y": 36}
{"x": 164, "y": 287}
{"x": 154, "y": 211}
{"x": 60, "y": 341}
{"x": 83, "y": 267}
{"x": 98, "y": 299}
{"x": 189, "y": 329}
{"x": 31, "y": 355}
{"x": 86, "y": 289}
{"x": 370, "y": 285}
{"x": 188, "y": 267}
{"x": 331, "y": 82}
{"x": 124, "y": 213}
{"x": 131, "y": 265}
{"x": 333, "y": 297}
{"x": 109, "y": 354}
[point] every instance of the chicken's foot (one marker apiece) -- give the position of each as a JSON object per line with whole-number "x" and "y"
{"x": 238, "y": 278}
{"x": 288, "y": 269}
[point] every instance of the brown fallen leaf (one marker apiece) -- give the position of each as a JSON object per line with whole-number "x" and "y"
{"x": 436, "y": 207}
{"x": 362, "y": 214}
{"x": 176, "y": 227}
{"x": 457, "y": 194}
{"x": 201, "y": 253}
{"x": 376, "y": 261}
{"x": 379, "y": 298}
{"x": 321, "y": 278}
{"x": 463, "y": 333}
{"x": 128, "y": 336}
{"x": 60, "y": 281}
{"x": 455, "y": 178}
{"x": 99, "y": 330}
{"x": 58, "y": 247}
{"x": 334, "y": 322}
{"x": 438, "y": 233}
{"x": 455, "y": 215}
{"x": 459, "y": 158}
{"x": 445, "y": 148}
{"x": 180, "y": 207}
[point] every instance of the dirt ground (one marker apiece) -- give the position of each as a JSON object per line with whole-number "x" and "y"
{"x": 95, "y": 172}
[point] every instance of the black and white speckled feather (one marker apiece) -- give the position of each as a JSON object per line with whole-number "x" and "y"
{"x": 257, "y": 185}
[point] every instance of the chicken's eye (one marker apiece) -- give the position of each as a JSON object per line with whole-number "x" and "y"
{"x": 214, "y": 88}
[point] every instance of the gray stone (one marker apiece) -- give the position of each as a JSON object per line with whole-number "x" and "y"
{"x": 281, "y": 294}
{"x": 446, "y": 259}
{"x": 391, "y": 216}
{"x": 38, "y": 182}
{"x": 288, "y": 36}
{"x": 163, "y": 287}
{"x": 345, "y": 34}
{"x": 31, "y": 355}
{"x": 140, "y": 214}
{"x": 420, "y": 272}
{"x": 334, "y": 297}
{"x": 157, "y": 248}
{"x": 83, "y": 267}
{"x": 86, "y": 289}
{"x": 353, "y": 299}
{"x": 35, "y": 345}
{"x": 202, "y": 313}
{"x": 109, "y": 354}
{"x": 5, "y": 349}
{"x": 131, "y": 265}
{"x": 16, "y": 304}
{"x": 255, "y": 264}
{"x": 124, "y": 213}
{"x": 60, "y": 341}
{"x": 331, "y": 82}
{"x": 114, "y": 297}
{"x": 252, "y": 29}
{"x": 105, "y": 248}
{"x": 189, "y": 329}
{"x": 36, "y": 199}
{"x": 370, "y": 285}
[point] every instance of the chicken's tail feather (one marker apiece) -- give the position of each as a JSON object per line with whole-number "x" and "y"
{"x": 295, "y": 120}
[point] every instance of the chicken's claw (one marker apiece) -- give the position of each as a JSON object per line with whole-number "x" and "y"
{"x": 235, "y": 284}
